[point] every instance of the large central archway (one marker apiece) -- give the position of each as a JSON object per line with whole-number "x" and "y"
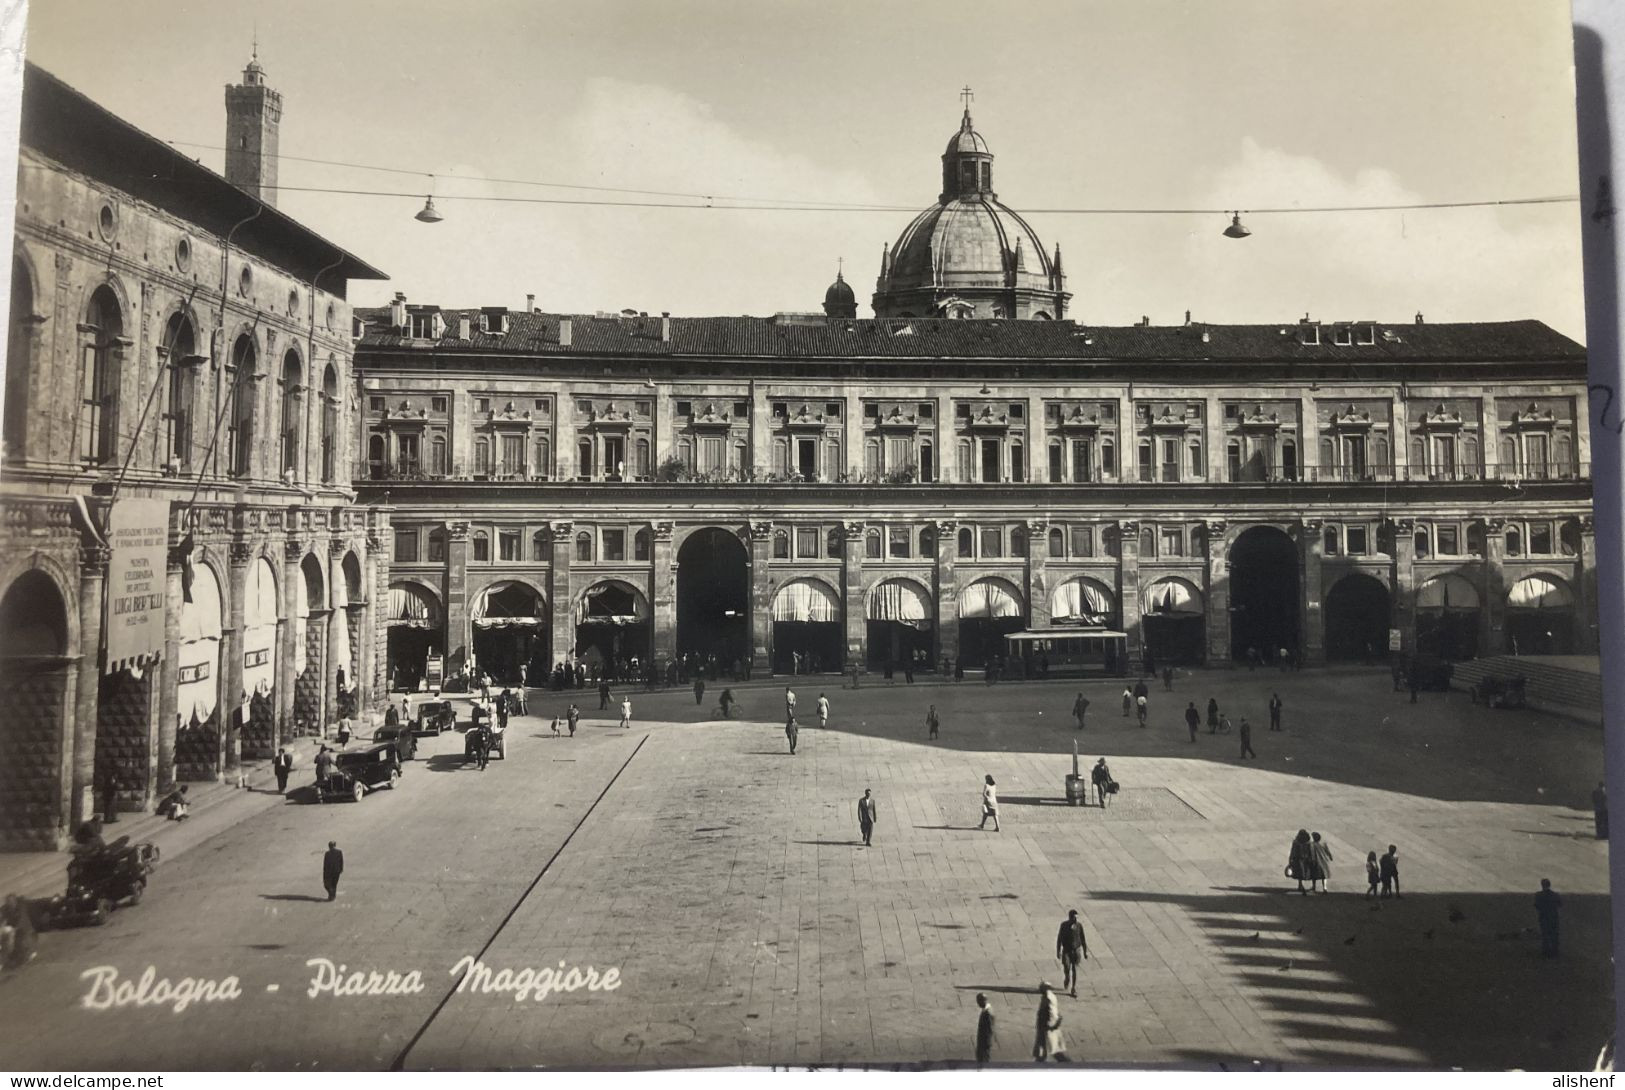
{"x": 1356, "y": 619}
{"x": 1264, "y": 594}
{"x": 713, "y": 597}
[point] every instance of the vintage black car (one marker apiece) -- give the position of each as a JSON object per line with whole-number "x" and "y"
{"x": 358, "y": 771}
{"x": 435, "y": 716}
{"x": 100, "y": 879}
{"x": 404, "y": 740}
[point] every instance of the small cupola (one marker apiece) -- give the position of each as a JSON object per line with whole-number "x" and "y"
{"x": 967, "y": 165}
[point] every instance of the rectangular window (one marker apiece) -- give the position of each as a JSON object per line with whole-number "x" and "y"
{"x": 437, "y": 547}
{"x": 1052, "y": 414}
{"x": 1056, "y": 462}
{"x": 1018, "y": 411}
{"x": 1083, "y": 541}
{"x": 927, "y": 410}
{"x": 423, "y": 326}
{"x": 1449, "y": 540}
{"x": 871, "y": 546}
{"x": 1355, "y": 537}
{"x": 741, "y": 410}
{"x": 614, "y": 544}
{"x": 899, "y": 454}
{"x": 1173, "y": 541}
{"x": 1170, "y": 460}
{"x": 1108, "y": 460}
{"x": 482, "y": 548}
{"x": 1080, "y": 460}
{"x": 871, "y": 411}
{"x": 513, "y": 454}
{"x": 1540, "y": 539}
{"x": 438, "y": 404}
{"x": 406, "y": 546}
{"x": 897, "y": 538}
{"x": 685, "y": 408}
{"x": 375, "y": 404}
{"x": 992, "y": 543}
{"x": 1146, "y": 470}
{"x": 410, "y": 456}
{"x": 541, "y": 405}
{"x": 482, "y": 404}
{"x": 508, "y": 545}
{"x": 807, "y": 542}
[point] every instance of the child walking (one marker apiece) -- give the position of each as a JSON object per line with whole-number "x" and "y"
{"x": 1372, "y": 874}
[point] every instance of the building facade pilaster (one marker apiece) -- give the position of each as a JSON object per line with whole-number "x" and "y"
{"x": 233, "y": 701}
{"x": 852, "y": 618}
{"x": 93, "y": 561}
{"x": 561, "y": 620}
{"x": 1402, "y": 598}
{"x": 1128, "y": 589}
{"x": 663, "y": 595}
{"x": 761, "y": 596}
{"x": 457, "y": 596}
{"x": 1037, "y": 589}
{"x": 1311, "y": 618}
{"x": 947, "y": 626}
{"x": 1492, "y": 610}
{"x": 1217, "y": 618}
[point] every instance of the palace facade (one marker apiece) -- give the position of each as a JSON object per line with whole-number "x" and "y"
{"x": 178, "y": 419}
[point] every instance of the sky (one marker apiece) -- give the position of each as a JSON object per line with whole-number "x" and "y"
{"x": 1241, "y": 104}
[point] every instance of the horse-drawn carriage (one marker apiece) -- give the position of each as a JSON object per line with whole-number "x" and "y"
{"x": 484, "y": 741}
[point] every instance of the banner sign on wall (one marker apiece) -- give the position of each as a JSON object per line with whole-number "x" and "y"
{"x": 138, "y": 534}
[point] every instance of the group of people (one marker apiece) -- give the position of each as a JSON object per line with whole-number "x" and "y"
{"x": 1310, "y": 860}
{"x": 792, "y": 728}
{"x": 1071, "y": 950}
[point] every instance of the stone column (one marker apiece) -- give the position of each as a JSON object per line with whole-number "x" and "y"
{"x": 1038, "y": 587}
{"x": 561, "y": 619}
{"x": 1128, "y": 587}
{"x": 457, "y": 595}
{"x": 1217, "y": 618}
{"x": 947, "y": 619}
{"x": 338, "y": 651}
{"x": 1585, "y": 582}
{"x": 761, "y": 596}
{"x": 369, "y": 685}
{"x": 93, "y": 561}
{"x": 852, "y": 615}
{"x": 169, "y": 676}
{"x": 231, "y": 702}
{"x": 663, "y": 596}
{"x": 1492, "y": 610}
{"x": 1402, "y": 598}
{"x": 1311, "y": 617}
{"x": 288, "y": 649}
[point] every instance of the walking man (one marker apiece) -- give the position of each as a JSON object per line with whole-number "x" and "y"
{"x": 790, "y": 732}
{"x": 626, "y": 711}
{"x": 1168, "y": 678}
{"x": 868, "y": 814}
{"x": 985, "y": 1035}
{"x": 603, "y": 693}
{"x": 1388, "y": 871}
{"x": 1212, "y": 715}
{"x": 1080, "y": 708}
{"x": 1071, "y": 948}
{"x": 573, "y": 716}
{"x": 932, "y": 722}
{"x": 789, "y": 701}
{"x": 823, "y": 711}
{"x": 282, "y": 765}
{"x": 1275, "y": 711}
{"x": 1141, "y": 708}
{"x": 1102, "y": 777}
{"x": 1245, "y": 730}
{"x": 1193, "y": 719}
{"x": 332, "y": 869}
{"x": 1128, "y": 701}
{"x": 1547, "y": 904}
{"x": 699, "y": 691}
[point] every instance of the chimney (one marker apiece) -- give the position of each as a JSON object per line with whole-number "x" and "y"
{"x": 566, "y": 332}
{"x": 530, "y": 304}
{"x": 465, "y": 327}
{"x": 397, "y": 311}
{"x": 1187, "y": 317}
{"x": 665, "y": 327}
{"x": 1418, "y": 317}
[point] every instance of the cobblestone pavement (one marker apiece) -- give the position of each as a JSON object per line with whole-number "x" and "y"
{"x": 726, "y": 881}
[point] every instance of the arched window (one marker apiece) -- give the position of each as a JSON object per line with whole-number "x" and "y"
{"x": 539, "y": 546}
{"x": 1057, "y": 542}
{"x": 19, "y": 364}
{"x": 1475, "y": 539}
{"x": 738, "y": 464}
{"x": 482, "y": 547}
{"x": 1562, "y": 454}
{"x": 584, "y": 548}
{"x": 928, "y": 541}
{"x": 1514, "y": 542}
{"x": 180, "y": 371}
{"x": 1379, "y": 453}
{"x": 1419, "y": 456}
{"x": 1232, "y": 458}
{"x": 240, "y": 386}
{"x": 928, "y": 462}
{"x": 1018, "y": 541}
{"x": 781, "y": 545}
{"x": 99, "y": 378}
{"x": 1330, "y": 541}
{"x": 1289, "y": 460}
{"x": 437, "y": 545}
{"x": 1018, "y": 462}
{"x": 833, "y": 543}
{"x": 543, "y": 467}
{"x": 1569, "y": 538}
{"x": 1328, "y": 458}
{"x": 685, "y": 453}
{"x": 871, "y": 456}
{"x": 290, "y": 394}
{"x": 967, "y": 463}
{"x": 376, "y": 457}
{"x": 965, "y": 543}
{"x": 1147, "y": 469}
{"x": 1148, "y": 542}
{"x": 641, "y": 542}
{"x": 1469, "y": 456}
{"x": 330, "y": 424}
{"x": 584, "y": 459}
{"x": 1509, "y": 455}
{"x": 1422, "y": 548}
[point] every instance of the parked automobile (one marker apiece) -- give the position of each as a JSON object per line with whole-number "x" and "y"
{"x": 1499, "y": 692}
{"x": 435, "y": 716}
{"x": 359, "y": 771}
{"x": 401, "y": 735}
{"x": 100, "y": 879}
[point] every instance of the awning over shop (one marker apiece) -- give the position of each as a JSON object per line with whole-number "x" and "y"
{"x": 1539, "y": 592}
{"x": 1083, "y": 599}
{"x": 989, "y": 598}
{"x": 899, "y": 600}
{"x": 1447, "y": 592}
{"x": 1045, "y": 635}
{"x": 1173, "y": 597}
{"x": 508, "y": 605}
{"x": 806, "y": 600}
{"x": 411, "y": 607}
{"x": 612, "y": 603}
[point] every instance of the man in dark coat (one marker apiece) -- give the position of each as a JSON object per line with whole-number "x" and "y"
{"x": 1547, "y": 904}
{"x": 1080, "y": 709}
{"x": 1072, "y": 948}
{"x": 282, "y": 765}
{"x": 1193, "y": 718}
{"x": 790, "y": 732}
{"x": 332, "y": 868}
{"x": 868, "y": 814}
{"x": 603, "y": 694}
{"x": 699, "y": 691}
{"x": 1244, "y": 730}
{"x": 986, "y": 1037}
{"x": 1599, "y": 809}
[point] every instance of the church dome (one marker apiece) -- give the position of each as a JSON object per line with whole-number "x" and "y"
{"x": 840, "y": 293}
{"x": 969, "y": 255}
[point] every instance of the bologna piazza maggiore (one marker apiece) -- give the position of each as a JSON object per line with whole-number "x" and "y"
{"x": 354, "y": 502}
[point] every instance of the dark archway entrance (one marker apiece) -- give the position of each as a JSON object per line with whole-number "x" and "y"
{"x": 807, "y": 635}
{"x": 1264, "y": 594}
{"x": 1174, "y": 622}
{"x": 989, "y": 609}
{"x": 510, "y": 625}
{"x": 1540, "y": 617}
{"x": 1356, "y": 619}
{"x": 900, "y": 620}
{"x": 35, "y": 733}
{"x": 1447, "y": 612}
{"x": 613, "y": 630}
{"x": 414, "y": 623}
{"x": 713, "y": 597}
